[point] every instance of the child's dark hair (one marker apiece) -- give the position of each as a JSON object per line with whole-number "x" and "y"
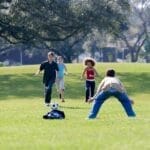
{"x": 110, "y": 73}
{"x": 92, "y": 61}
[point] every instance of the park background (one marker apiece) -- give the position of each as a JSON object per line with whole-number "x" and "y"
{"x": 109, "y": 31}
{"x": 114, "y": 32}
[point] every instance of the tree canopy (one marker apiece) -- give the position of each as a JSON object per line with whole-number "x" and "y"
{"x": 46, "y": 21}
{"x": 137, "y": 29}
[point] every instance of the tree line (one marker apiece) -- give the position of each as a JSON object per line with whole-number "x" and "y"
{"x": 65, "y": 25}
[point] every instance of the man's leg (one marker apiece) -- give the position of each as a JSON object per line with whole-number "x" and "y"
{"x": 97, "y": 104}
{"x": 125, "y": 101}
{"x": 48, "y": 92}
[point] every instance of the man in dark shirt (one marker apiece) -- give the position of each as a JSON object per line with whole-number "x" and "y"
{"x": 50, "y": 69}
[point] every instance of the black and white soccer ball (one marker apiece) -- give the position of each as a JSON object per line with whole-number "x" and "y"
{"x": 54, "y": 106}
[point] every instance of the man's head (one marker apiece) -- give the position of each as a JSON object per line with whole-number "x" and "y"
{"x": 50, "y": 56}
{"x": 110, "y": 73}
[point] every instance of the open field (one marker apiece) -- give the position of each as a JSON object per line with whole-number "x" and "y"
{"x": 22, "y": 108}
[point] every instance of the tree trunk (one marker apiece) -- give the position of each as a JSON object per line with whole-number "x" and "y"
{"x": 136, "y": 56}
{"x": 133, "y": 54}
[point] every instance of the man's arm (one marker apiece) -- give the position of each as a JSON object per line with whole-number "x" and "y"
{"x": 100, "y": 86}
{"x": 40, "y": 69}
{"x": 122, "y": 87}
{"x": 99, "y": 89}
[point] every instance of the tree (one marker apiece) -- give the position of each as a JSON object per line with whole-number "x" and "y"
{"x": 96, "y": 42}
{"x": 147, "y": 50}
{"x": 47, "y": 22}
{"x": 57, "y": 20}
{"x": 137, "y": 29}
{"x": 71, "y": 48}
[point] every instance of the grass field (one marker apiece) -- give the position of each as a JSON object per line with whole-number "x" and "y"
{"x": 22, "y": 108}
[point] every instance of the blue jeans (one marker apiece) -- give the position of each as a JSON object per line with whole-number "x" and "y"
{"x": 103, "y": 96}
{"x": 48, "y": 91}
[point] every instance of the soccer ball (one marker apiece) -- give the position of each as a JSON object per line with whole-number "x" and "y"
{"x": 54, "y": 106}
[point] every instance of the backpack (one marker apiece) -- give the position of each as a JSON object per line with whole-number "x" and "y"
{"x": 54, "y": 114}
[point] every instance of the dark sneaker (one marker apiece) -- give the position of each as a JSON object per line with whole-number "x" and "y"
{"x": 63, "y": 100}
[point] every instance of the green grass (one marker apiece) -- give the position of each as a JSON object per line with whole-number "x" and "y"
{"x": 21, "y": 110}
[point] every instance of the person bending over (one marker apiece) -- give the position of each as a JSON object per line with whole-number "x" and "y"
{"x": 110, "y": 86}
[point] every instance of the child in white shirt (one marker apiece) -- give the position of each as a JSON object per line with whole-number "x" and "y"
{"x": 110, "y": 86}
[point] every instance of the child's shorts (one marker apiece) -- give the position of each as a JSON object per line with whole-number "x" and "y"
{"x": 60, "y": 84}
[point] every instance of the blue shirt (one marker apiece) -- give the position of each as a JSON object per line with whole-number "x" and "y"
{"x": 61, "y": 71}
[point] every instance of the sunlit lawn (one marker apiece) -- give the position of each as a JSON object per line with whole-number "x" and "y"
{"x": 22, "y": 108}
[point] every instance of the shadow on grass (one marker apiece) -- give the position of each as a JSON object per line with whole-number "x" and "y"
{"x": 71, "y": 107}
{"x": 21, "y": 86}
{"x": 29, "y": 86}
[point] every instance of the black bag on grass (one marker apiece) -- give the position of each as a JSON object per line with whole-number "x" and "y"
{"x": 54, "y": 114}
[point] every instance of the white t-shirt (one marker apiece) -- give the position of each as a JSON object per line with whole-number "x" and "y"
{"x": 111, "y": 82}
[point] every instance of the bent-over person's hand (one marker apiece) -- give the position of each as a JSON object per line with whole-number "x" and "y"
{"x": 90, "y": 100}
